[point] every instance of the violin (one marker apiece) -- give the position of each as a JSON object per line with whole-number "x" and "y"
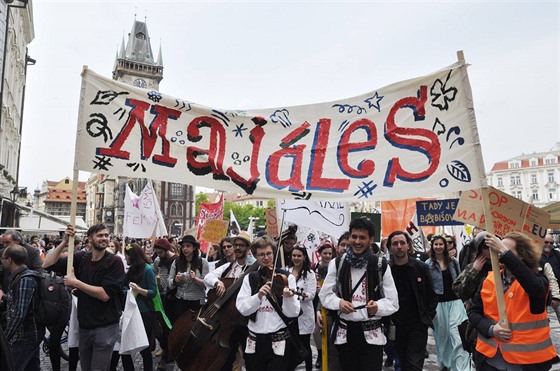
{"x": 279, "y": 282}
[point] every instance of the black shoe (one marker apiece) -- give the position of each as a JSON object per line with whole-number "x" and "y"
{"x": 319, "y": 361}
{"x": 388, "y": 362}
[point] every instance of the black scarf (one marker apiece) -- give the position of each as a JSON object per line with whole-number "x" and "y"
{"x": 358, "y": 261}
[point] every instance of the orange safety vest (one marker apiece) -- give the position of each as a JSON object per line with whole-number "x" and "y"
{"x": 530, "y": 340}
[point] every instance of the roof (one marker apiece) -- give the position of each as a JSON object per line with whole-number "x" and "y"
{"x": 524, "y": 158}
{"x": 138, "y": 47}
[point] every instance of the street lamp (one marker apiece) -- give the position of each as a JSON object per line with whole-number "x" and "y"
{"x": 15, "y": 194}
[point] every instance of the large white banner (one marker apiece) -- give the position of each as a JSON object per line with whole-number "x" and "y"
{"x": 142, "y": 215}
{"x": 410, "y": 139}
{"x": 330, "y": 217}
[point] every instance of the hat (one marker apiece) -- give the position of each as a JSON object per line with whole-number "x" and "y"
{"x": 480, "y": 241}
{"x": 190, "y": 239}
{"x": 261, "y": 233}
{"x": 162, "y": 243}
{"x": 243, "y": 236}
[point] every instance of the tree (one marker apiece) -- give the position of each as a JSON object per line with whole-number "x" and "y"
{"x": 200, "y": 197}
{"x": 243, "y": 212}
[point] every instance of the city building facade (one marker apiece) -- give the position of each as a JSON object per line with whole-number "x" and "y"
{"x": 55, "y": 197}
{"x": 16, "y": 33}
{"x": 533, "y": 178}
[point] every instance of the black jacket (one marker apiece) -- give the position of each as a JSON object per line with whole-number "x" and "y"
{"x": 420, "y": 280}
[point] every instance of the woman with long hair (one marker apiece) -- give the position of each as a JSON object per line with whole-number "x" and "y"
{"x": 300, "y": 268}
{"x": 450, "y": 310}
{"x": 187, "y": 275}
{"x": 141, "y": 279}
{"x": 526, "y": 344}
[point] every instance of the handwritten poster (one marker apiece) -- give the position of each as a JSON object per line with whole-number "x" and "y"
{"x": 410, "y": 139}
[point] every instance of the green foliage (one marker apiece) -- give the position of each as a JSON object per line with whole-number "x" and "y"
{"x": 199, "y": 198}
{"x": 242, "y": 214}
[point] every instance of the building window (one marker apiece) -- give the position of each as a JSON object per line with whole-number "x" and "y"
{"x": 500, "y": 182}
{"x": 552, "y": 194}
{"x": 514, "y": 165}
{"x": 533, "y": 178}
{"x": 535, "y": 195}
{"x": 515, "y": 180}
{"x": 173, "y": 210}
{"x": 517, "y": 194}
{"x": 176, "y": 190}
{"x": 533, "y": 162}
{"x": 550, "y": 161}
{"x": 551, "y": 176}
{"x": 179, "y": 210}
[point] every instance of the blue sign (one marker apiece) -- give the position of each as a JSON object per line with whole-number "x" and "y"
{"x": 437, "y": 212}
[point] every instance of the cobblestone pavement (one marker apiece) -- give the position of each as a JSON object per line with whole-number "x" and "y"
{"x": 430, "y": 364}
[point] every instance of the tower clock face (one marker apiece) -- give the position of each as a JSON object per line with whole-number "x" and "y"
{"x": 141, "y": 83}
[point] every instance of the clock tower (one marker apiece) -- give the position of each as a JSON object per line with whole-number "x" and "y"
{"x": 135, "y": 65}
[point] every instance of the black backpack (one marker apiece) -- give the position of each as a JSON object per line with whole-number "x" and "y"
{"x": 52, "y": 301}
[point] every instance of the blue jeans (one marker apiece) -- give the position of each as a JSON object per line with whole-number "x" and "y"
{"x": 26, "y": 355}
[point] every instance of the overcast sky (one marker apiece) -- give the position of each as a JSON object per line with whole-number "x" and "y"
{"x": 239, "y": 55}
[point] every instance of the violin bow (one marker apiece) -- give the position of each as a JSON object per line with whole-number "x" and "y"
{"x": 279, "y": 245}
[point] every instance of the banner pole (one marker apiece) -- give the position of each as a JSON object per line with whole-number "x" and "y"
{"x": 73, "y": 207}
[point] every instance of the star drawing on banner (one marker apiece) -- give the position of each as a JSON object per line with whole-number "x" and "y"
{"x": 135, "y": 203}
{"x": 375, "y": 101}
{"x": 239, "y": 129}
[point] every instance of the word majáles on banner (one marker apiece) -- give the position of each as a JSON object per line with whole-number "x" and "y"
{"x": 213, "y": 230}
{"x": 437, "y": 212}
{"x": 509, "y": 214}
{"x": 409, "y": 139}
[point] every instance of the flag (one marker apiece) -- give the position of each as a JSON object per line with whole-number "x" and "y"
{"x": 142, "y": 214}
{"x": 233, "y": 224}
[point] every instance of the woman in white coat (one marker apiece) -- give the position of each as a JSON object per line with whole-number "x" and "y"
{"x": 300, "y": 268}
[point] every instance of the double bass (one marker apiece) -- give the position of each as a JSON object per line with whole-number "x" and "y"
{"x": 200, "y": 340}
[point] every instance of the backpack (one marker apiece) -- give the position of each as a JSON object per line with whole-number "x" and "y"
{"x": 51, "y": 301}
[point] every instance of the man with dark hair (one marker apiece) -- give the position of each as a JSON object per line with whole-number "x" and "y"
{"x": 33, "y": 261}
{"x": 98, "y": 279}
{"x": 417, "y": 302}
{"x": 23, "y": 332}
{"x": 359, "y": 285}
{"x": 226, "y": 247}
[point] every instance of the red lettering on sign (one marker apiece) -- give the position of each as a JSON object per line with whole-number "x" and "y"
{"x": 366, "y": 167}
{"x": 215, "y": 151}
{"x": 315, "y": 178}
{"x": 157, "y": 128}
{"x": 407, "y": 138}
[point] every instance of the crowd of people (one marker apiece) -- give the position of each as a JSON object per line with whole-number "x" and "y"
{"x": 366, "y": 299}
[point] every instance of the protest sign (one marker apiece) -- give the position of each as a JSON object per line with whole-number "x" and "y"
{"x": 272, "y": 223}
{"x": 509, "y": 214}
{"x": 437, "y": 212}
{"x": 413, "y": 138}
{"x": 213, "y": 230}
{"x": 330, "y": 217}
{"x": 206, "y": 211}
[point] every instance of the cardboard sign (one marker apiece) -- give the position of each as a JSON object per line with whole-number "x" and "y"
{"x": 509, "y": 214}
{"x": 271, "y": 223}
{"x": 213, "y": 230}
{"x": 437, "y": 212}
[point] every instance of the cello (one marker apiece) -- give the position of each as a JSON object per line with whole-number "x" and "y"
{"x": 200, "y": 340}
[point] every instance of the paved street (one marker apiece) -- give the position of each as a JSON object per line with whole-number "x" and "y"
{"x": 430, "y": 364}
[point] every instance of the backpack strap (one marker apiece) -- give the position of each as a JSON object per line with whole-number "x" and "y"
{"x": 339, "y": 261}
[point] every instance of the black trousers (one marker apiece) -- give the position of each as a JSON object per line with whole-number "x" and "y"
{"x": 410, "y": 344}
{"x": 357, "y": 354}
{"x": 264, "y": 358}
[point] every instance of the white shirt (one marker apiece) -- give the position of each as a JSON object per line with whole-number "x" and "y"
{"x": 214, "y": 276}
{"x": 330, "y": 299}
{"x": 267, "y": 321}
{"x": 306, "y": 321}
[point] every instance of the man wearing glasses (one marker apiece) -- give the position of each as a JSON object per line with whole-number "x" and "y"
{"x": 552, "y": 256}
{"x": 267, "y": 346}
{"x": 23, "y": 332}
